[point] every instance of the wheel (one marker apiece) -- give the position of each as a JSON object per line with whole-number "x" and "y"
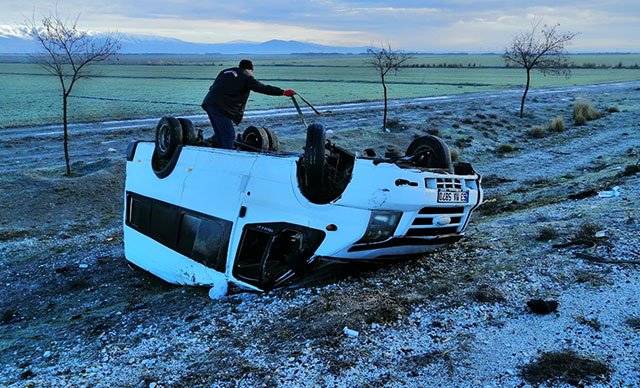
{"x": 189, "y": 135}
{"x": 274, "y": 142}
{"x": 256, "y": 139}
{"x": 313, "y": 159}
{"x": 168, "y": 136}
{"x": 431, "y": 152}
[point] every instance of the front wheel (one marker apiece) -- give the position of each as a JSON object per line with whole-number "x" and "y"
{"x": 274, "y": 142}
{"x": 255, "y": 139}
{"x": 430, "y": 152}
{"x": 313, "y": 159}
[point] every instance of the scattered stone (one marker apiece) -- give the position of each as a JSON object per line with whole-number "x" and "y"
{"x": 540, "y": 306}
{"x": 27, "y": 374}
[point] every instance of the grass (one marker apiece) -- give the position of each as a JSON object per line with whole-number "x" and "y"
{"x": 557, "y": 124}
{"x": 633, "y": 323}
{"x": 547, "y": 233}
{"x": 8, "y": 315}
{"x": 537, "y": 132}
{"x": 586, "y": 233}
{"x": 592, "y": 323}
{"x": 505, "y": 148}
{"x": 137, "y": 87}
{"x": 394, "y": 124}
{"x": 584, "y": 111}
{"x": 463, "y": 142}
{"x": 455, "y": 155}
{"x": 485, "y": 293}
{"x": 566, "y": 367}
{"x": 434, "y": 132}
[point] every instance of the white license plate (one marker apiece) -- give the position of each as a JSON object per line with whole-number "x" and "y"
{"x": 458, "y": 196}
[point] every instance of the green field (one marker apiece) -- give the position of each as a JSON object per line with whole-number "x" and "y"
{"x": 151, "y": 86}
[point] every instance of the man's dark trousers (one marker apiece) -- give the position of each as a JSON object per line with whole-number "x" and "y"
{"x": 222, "y": 127}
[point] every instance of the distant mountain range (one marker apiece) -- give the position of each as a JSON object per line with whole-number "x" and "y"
{"x": 15, "y": 40}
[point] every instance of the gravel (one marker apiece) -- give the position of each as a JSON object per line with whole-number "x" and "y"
{"x": 75, "y": 314}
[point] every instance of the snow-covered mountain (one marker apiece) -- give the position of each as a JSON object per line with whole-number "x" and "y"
{"x": 16, "y": 40}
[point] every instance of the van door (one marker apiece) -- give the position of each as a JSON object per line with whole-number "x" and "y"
{"x": 211, "y": 198}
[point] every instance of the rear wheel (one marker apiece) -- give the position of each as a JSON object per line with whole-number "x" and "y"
{"x": 168, "y": 136}
{"x": 189, "y": 135}
{"x": 430, "y": 152}
{"x": 256, "y": 139}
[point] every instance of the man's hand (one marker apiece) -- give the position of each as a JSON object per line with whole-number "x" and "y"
{"x": 289, "y": 93}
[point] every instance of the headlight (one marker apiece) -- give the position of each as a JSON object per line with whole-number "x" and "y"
{"x": 382, "y": 225}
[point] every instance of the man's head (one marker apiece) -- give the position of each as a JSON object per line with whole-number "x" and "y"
{"x": 246, "y": 65}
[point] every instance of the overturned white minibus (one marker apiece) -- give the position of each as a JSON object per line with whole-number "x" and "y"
{"x": 258, "y": 217}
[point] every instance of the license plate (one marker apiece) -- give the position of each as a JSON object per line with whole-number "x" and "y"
{"x": 448, "y": 196}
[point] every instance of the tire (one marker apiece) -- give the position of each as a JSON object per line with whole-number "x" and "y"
{"x": 168, "y": 136}
{"x": 189, "y": 134}
{"x": 274, "y": 142}
{"x": 255, "y": 139}
{"x": 430, "y": 152}
{"x": 313, "y": 159}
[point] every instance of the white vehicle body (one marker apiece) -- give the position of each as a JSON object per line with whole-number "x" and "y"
{"x": 241, "y": 217}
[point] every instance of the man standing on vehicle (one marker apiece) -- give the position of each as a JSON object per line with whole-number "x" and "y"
{"x": 228, "y": 96}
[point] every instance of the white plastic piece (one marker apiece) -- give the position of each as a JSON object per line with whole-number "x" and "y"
{"x": 614, "y": 192}
{"x": 218, "y": 291}
{"x": 350, "y": 333}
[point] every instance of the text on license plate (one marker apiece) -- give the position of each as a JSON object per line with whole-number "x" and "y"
{"x": 459, "y": 196}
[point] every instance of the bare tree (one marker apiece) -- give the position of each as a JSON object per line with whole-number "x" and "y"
{"x": 68, "y": 53}
{"x": 543, "y": 50}
{"x": 385, "y": 60}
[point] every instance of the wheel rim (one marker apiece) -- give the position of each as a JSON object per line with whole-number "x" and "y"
{"x": 252, "y": 140}
{"x": 164, "y": 138}
{"x": 425, "y": 154}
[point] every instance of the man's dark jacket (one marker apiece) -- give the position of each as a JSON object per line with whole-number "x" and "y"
{"x": 230, "y": 91}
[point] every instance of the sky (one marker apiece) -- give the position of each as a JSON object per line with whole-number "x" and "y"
{"x": 411, "y": 25}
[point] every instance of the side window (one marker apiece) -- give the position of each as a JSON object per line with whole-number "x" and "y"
{"x": 254, "y": 246}
{"x": 164, "y": 223}
{"x": 270, "y": 254}
{"x": 138, "y": 213}
{"x": 202, "y": 238}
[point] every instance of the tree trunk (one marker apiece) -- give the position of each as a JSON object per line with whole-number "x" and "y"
{"x": 524, "y": 95}
{"x": 384, "y": 118}
{"x": 65, "y": 133}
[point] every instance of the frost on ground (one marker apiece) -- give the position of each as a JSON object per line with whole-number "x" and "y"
{"x": 74, "y": 313}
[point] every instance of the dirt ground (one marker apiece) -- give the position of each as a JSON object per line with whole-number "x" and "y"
{"x": 73, "y": 312}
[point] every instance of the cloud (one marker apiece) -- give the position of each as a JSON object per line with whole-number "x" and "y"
{"x": 425, "y": 25}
